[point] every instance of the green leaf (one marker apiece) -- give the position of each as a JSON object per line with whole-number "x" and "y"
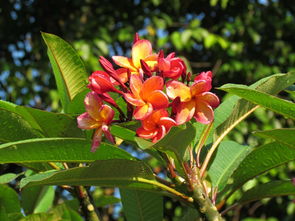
{"x": 285, "y": 135}
{"x": 105, "y": 200}
{"x": 9, "y": 200}
{"x": 243, "y": 108}
{"x": 273, "y": 103}
{"x": 177, "y": 140}
{"x": 40, "y": 217}
{"x": 37, "y": 199}
{"x": 260, "y": 160}
{"x": 13, "y": 127}
{"x": 190, "y": 214}
{"x": 54, "y": 124}
{"x": 267, "y": 190}
{"x": 227, "y": 158}
{"x": 8, "y": 177}
{"x": 123, "y": 133}
{"x": 68, "y": 68}
{"x": 116, "y": 172}
{"x": 58, "y": 150}
{"x": 62, "y": 212}
{"x": 141, "y": 205}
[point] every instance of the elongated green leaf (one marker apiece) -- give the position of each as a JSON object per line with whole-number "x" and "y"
{"x": 227, "y": 158}
{"x": 270, "y": 85}
{"x": 58, "y": 150}
{"x": 18, "y": 121}
{"x": 123, "y": 133}
{"x": 8, "y": 177}
{"x": 141, "y": 205}
{"x": 267, "y": 190}
{"x": 260, "y": 160}
{"x": 9, "y": 200}
{"x": 117, "y": 172}
{"x": 285, "y": 135}
{"x": 69, "y": 70}
{"x": 105, "y": 200}
{"x": 54, "y": 124}
{"x": 37, "y": 199}
{"x": 273, "y": 103}
{"x": 39, "y": 217}
{"x": 63, "y": 212}
{"x": 13, "y": 127}
{"x": 177, "y": 140}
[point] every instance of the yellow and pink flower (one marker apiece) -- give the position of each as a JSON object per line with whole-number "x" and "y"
{"x": 98, "y": 116}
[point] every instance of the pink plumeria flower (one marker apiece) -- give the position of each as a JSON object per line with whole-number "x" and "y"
{"x": 98, "y": 116}
{"x": 194, "y": 101}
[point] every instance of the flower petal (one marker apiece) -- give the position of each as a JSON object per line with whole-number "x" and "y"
{"x": 130, "y": 98}
{"x": 158, "y": 99}
{"x": 185, "y": 112}
{"x": 210, "y": 98}
{"x": 204, "y": 113}
{"x": 142, "y": 112}
{"x": 108, "y": 134}
{"x": 96, "y": 139}
{"x": 160, "y": 134}
{"x": 140, "y": 50}
{"x": 177, "y": 89}
{"x": 167, "y": 122}
{"x": 85, "y": 121}
{"x": 151, "y": 84}
{"x": 92, "y": 104}
{"x": 206, "y": 76}
{"x": 124, "y": 62}
{"x": 106, "y": 113}
{"x": 146, "y": 134}
{"x": 151, "y": 122}
{"x": 200, "y": 87}
{"x": 136, "y": 85}
{"x": 122, "y": 74}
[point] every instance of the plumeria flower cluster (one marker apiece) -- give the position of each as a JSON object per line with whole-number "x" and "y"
{"x": 157, "y": 89}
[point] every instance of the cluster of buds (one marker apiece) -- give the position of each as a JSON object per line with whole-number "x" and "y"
{"x": 157, "y": 89}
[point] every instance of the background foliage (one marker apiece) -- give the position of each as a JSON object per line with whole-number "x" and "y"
{"x": 241, "y": 41}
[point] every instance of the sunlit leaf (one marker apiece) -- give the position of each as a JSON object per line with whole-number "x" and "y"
{"x": 285, "y": 135}
{"x": 227, "y": 158}
{"x": 258, "y": 161}
{"x": 273, "y": 103}
{"x": 37, "y": 199}
{"x": 58, "y": 150}
{"x": 69, "y": 70}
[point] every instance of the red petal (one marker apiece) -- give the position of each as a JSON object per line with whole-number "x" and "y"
{"x": 158, "y": 99}
{"x": 108, "y": 134}
{"x": 210, "y": 98}
{"x": 185, "y": 112}
{"x": 142, "y": 112}
{"x": 200, "y": 87}
{"x": 130, "y": 98}
{"x": 177, "y": 89}
{"x": 146, "y": 134}
{"x": 204, "y": 113}
{"x": 167, "y": 122}
{"x": 96, "y": 139}
{"x": 136, "y": 85}
{"x": 160, "y": 134}
{"x": 150, "y": 85}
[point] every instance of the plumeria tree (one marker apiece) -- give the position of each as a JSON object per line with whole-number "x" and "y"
{"x": 152, "y": 103}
